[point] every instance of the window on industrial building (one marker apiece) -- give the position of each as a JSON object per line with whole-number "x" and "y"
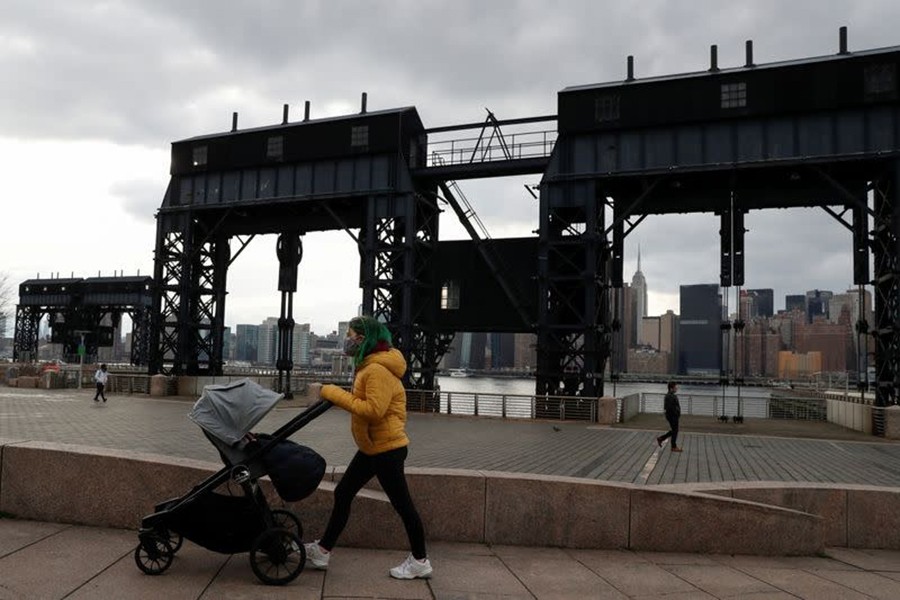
{"x": 450, "y": 295}
{"x": 880, "y": 80}
{"x": 734, "y": 95}
{"x": 606, "y": 108}
{"x": 200, "y": 154}
{"x": 275, "y": 147}
{"x": 359, "y": 136}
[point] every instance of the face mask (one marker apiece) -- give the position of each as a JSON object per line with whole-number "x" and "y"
{"x": 351, "y": 346}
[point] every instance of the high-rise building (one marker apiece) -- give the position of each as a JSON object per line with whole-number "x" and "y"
{"x": 795, "y": 302}
{"x": 699, "y": 330}
{"x": 301, "y": 346}
{"x": 525, "y": 350}
{"x": 817, "y": 304}
{"x": 503, "y": 350}
{"x": 668, "y": 338}
{"x": 764, "y": 301}
{"x": 246, "y": 343}
{"x": 227, "y": 346}
{"x": 266, "y": 350}
{"x": 639, "y": 299}
{"x": 649, "y": 333}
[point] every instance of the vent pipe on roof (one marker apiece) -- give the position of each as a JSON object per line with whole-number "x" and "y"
{"x": 284, "y": 115}
{"x": 630, "y": 76}
{"x": 713, "y": 58}
{"x": 362, "y": 108}
{"x": 234, "y": 121}
{"x": 748, "y": 47}
{"x": 306, "y": 111}
{"x": 842, "y": 47}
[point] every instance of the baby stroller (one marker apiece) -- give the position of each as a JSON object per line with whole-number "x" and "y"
{"x": 240, "y": 522}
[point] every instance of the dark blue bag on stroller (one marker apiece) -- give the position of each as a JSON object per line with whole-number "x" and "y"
{"x": 295, "y": 470}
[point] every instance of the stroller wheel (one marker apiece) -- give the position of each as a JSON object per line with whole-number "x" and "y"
{"x": 153, "y": 554}
{"x": 277, "y": 556}
{"x": 175, "y": 539}
{"x": 285, "y": 519}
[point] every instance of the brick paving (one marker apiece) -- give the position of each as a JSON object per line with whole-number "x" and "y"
{"x": 577, "y": 449}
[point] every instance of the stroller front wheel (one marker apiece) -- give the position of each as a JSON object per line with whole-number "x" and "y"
{"x": 153, "y": 554}
{"x": 277, "y": 556}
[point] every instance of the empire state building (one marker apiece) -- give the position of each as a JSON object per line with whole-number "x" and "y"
{"x": 639, "y": 296}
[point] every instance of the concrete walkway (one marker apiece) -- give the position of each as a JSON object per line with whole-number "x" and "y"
{"x": 48, "y": 560}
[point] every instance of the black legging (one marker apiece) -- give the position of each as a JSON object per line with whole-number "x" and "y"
{"x": 388, "y": 468}
{"x": 673, "y": 431}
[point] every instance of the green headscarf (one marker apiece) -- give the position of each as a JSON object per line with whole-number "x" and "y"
{"x": 373, "y": 330}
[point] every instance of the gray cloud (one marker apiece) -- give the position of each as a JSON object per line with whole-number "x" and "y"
{"x": 147, "y": 72}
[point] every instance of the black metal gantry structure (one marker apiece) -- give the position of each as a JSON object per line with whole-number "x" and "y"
{"x": 83, "y": 311}
{"x": 817, "y": 132}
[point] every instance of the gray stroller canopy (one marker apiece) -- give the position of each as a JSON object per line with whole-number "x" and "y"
{"x": 229, "y": 411}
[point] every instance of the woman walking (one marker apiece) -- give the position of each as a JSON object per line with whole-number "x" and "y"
{"x": 377, "y": 405}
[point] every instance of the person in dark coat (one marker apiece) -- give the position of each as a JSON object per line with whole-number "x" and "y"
{"x": 673, "y": 414}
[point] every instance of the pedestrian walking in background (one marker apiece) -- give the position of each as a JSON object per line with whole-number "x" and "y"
{"x": 101, "y": 377}
{"x": 377, "y": 405}
{"x": 673, "y": 413}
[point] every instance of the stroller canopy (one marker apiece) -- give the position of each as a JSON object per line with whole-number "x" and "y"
{"x": 229, "y": 411}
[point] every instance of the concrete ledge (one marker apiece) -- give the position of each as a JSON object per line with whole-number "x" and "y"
{"x": 93, "y": 486}
{"x": 680, "y": 522}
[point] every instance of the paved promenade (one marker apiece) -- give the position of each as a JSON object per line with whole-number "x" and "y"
{"x": 48, "y": 560}
{"x": 572, "y": 449}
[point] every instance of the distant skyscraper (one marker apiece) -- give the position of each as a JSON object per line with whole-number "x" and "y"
{"x": 268, "y": 342}
{"x": 246, "y": 343}
{"x": 764, "y": 302}
{"x": 639, "y": 297}
{"x": 300, "y": 345}
{"x": 795, "y": 301}
{"x": 699, "y": 330}
{"x": 817, "y": 304}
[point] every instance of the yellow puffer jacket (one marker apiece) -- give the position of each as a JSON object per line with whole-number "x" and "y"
{"x": 377, "y": 404}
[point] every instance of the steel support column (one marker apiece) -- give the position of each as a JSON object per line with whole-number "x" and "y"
{"x": 25, "y": 340}
{"x": 396, "y": 249}
{"x": 574, "y": 325}
{"x": 886, "y": 237}
{"x": 189, "y": 301}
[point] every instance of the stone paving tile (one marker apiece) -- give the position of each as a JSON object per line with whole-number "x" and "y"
{"x": 631, "y": 573}
{"x": 356, "y": 573}
{"x": 804, "y": 585}
{"x": 720, "y": 581}
{"x": 73, "y": 555}
{"x": 192, "y": 570}
{"x": 552, "y": 574}
{"x": 868, "y": 559}
{"x": 871, "y": 584}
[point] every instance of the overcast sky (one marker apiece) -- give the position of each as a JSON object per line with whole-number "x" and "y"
{"x": 94, "y": 93}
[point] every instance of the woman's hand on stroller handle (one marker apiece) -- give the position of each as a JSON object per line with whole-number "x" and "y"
{"x": 314, "y": 390}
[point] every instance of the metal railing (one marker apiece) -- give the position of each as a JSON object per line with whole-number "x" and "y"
{"x": 803, "y": 409}
{"x": 471, "y": 150}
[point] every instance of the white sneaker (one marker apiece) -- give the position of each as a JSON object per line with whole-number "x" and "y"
{"x": 412, "y": 568}
{"x": 317, "y": 556}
